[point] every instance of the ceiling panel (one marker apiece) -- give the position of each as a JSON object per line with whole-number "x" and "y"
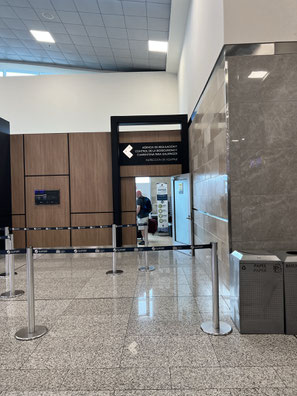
{"x": 110, "y": 7}
{"x": 64, "y": 5}
{"x": 96, "y": 34}
{"x": 96, "y": 31}
{"x": 91, "y": 19}
{"x": 87, "y": 5}
{"x": 69, "y": 17}
{"x": 134, "y": 9}
{"x": 137, "y": 34}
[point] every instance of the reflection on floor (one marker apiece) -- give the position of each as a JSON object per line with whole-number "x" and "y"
{"x": 159, "y": 240}
{"x": 133, "y": 334}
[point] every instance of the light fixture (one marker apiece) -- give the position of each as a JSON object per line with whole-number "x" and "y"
{"x": 47, "y": 15}
{"x": 158, "y": 46}
{"x": 43, "y": 36}
{"x": 258, "y": 74}
{"x": 142, "y": 180}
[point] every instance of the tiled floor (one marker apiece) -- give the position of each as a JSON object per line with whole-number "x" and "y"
{"x": 134, "y": 334}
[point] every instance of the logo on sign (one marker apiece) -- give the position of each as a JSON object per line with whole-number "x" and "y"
{"x": 127, "y": 151}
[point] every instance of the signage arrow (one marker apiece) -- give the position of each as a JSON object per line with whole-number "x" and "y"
{"x": 127, "y": 151}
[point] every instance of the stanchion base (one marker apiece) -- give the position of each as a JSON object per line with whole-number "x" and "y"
{"x": 117, "y": 272}
{"x": 224, "y": 328}
{"x": 17, "y": 293}
{"x": 146, "y": 269}
{"x": 24, "y": 335}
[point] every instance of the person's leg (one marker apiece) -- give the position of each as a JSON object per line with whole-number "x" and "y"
{"x": 144, "y": 221}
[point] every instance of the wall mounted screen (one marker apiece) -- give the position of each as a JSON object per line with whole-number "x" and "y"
{"x": 47, "y": 197}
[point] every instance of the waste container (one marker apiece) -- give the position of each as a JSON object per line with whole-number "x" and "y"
{"x": 256, "y": 292}
{"x": 289, "y": 260}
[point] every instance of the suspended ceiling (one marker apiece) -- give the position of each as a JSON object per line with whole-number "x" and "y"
{"x": 94, "y": 34}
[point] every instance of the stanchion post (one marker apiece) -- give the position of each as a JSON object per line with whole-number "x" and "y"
{"x": 7, "y": 246}
{"x": 12, "y": 292}
{"x": 215, "y": 327}
{"x": 146, "y": 268}
{"x": 114, "y": 270}
{"x": 32, "y": 331}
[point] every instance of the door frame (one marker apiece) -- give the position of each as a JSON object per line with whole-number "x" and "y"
{"x": 188, "y": 177}
{"x": 116, "y": 122}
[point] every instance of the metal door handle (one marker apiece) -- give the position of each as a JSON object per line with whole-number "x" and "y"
{"x": 189, "y": 218}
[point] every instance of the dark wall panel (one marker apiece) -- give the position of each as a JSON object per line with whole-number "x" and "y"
{"x": 17, "y": 174}
{"x": 5, "y": 179}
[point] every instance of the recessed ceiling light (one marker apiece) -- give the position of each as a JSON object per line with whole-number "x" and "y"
{"x": 47, "y": 15}
{"x": 258, "y": 74}
{"x": 158, "y": 46}
{"x": 45, "y": 37}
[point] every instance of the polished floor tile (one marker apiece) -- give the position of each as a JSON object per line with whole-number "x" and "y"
{"x": 122, "y": 378}
{"x": 265, "y": 392}
{"x": 63, "y": 353}
{"x": 31, "y": 380}
{"x": 235, "y": 377}
{"x": 252, "y": 350}
{"x": 150, "y": 327}
{"x": 145, "y": 352}
{"x": 191, "y": 351}
{"x": 136, "y": 334}
{"x": 89, "y": 326}
{"x": 166, "y": 308}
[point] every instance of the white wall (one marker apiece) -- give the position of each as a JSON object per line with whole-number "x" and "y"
{"x": 204, "y": 39}
{"x": 84, "y": 102}
{"x": 213, "y": 23}
{"x": 256, "y": 21}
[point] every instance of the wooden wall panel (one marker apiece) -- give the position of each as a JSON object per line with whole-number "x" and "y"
{"x": 48, "y": 238}
{"x": 101, "y": 237}
{"x": 47, "y": 215}
{"x": 128, "y": 194}
{"x": 149, "y": 136}
{"x": 19, "y": 236}
{"x": 91, "y": 173}
{"x": 150, "y": 170}
{"x": 17, "y": 174}
{"x": 129, "y": 234}
{"x": 46, "y": 154}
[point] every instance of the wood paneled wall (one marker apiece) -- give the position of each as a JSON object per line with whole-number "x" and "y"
{"x": 46, "y": 154}
{"x": 90, "y": 172}
{"x": 79, "y": 165}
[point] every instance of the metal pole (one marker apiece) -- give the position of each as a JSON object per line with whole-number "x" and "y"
{"x": 146, "y": 268}
{"x": 215, "y": 286}
{"x": 114, "y": 270}
{"x": 215, "y": 327}
{"x": 32, "y": 331}
{"x": 7, "y": 246}
{"x": 12, "y": 292}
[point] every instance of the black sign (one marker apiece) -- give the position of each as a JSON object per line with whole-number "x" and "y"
{"x": 160, "y": 153}
{"x": 47, "y": 197}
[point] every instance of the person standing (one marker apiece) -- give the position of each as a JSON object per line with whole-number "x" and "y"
{"x": 143, "y": 209}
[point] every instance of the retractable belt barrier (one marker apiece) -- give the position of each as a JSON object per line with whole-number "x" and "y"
{"x": 214, "y": 327}
{"x": 4, "y": 237}
{"x": 106, "y": 250}
{"x": 66, "y": 228}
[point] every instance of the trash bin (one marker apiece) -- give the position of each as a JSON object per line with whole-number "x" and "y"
{"x": 289, "y": 260}
{"x": 256, "y": 292}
